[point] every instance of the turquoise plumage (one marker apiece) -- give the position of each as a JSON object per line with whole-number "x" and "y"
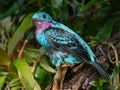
{"x": 63, "y": 44}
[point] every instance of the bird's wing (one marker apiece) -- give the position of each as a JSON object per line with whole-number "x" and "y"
{"x": 64, "y": 41}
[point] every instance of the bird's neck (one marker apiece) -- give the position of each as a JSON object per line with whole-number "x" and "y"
{"x": 43, "y": 26}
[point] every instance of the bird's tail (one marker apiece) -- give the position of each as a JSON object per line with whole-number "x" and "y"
{"x": 101, "y": 71}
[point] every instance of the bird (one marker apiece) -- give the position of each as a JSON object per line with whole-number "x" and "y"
{"x": 63, "y": 44}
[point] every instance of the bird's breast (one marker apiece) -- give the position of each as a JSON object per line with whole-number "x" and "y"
{"x": 42, "y": 40}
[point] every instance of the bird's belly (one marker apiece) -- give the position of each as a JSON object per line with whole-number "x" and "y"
{"x": 71, "y": 60}
{"x": 58, "y": 57}
{"x": 42, "y": 40}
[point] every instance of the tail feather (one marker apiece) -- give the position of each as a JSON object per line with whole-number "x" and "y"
{"x": 101, "y": 71}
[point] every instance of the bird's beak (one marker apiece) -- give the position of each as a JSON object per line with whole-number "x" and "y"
{"x": 34, "y": 20}
{"x": 37, "y": 22}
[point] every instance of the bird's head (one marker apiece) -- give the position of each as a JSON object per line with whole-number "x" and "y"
{"x": 42, "y": 21}
{"x": 42, "y": 16}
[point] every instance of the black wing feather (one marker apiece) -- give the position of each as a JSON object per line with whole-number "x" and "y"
{"x": 62, "y": 40}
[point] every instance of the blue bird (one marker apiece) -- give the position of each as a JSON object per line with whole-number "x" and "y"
{"x": 63, "y": 44}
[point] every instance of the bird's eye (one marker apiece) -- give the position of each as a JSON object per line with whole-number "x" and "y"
{"x": 44, "y": 16}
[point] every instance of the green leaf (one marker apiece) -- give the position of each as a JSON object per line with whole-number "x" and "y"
{"x": 26, "y": 76}
{"x": 15, "y": 81}
{"x": 2, "y": 80}
{"x": 117, "y": 69}
{"x": 94, "y": 83}
{"x": 76, "y": 7}
{"x": 56, "y": 3}
{"x": 31, "y": 54}
{"x": 101, "y": 82}
{"x": 4, "y": 59}
{"x": 25, "y": 25}
{"x": 42, "y": 77}
{"x": 47, "y": 67}
{"x": 79, "y": 27}
{"x": 40, "y": 73}
{"x": 16, "y": 88}
{"x": 103, "y": 11}
{"x": 105, "y": 31}
{"x": 89, "y": 4}
{"x": 10, "y": 11}
{"x": 100, "y": 88}
{"x": 112, "y": 77}
{"x": 4, "y": 1}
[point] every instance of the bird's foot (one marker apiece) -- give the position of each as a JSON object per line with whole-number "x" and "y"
{"x": 64, "y": 65}
{"x": 59, "y": 77}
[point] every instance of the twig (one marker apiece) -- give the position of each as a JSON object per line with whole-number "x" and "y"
{"x": 116, "y": 55}
{"x": 38, "y": 60}
{"x": 117, "y": 64}
{"x": 20, "y": 55}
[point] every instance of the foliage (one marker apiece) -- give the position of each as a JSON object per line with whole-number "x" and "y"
{"x": 99, "y": 84}
{"x": 94, "y": 20}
